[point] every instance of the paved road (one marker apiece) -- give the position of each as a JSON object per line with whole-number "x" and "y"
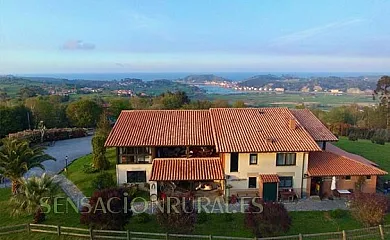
{"x": 73, "y": 148}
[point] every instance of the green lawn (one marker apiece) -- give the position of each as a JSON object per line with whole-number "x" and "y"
{"x": 379, "y": 154}
{"x": 83, "y": 180}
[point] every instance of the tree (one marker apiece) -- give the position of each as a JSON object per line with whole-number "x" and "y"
{"x": 83, "y": 113}
{"x": 369, "y": 208}
{"x": 47, "y": 109}
{"x": 31, "y": 91}
{"x": 103, "y": 126}
{"x": 220, "y": 103}
{"x": 17, "y": 157}
{"x": 383, "y": 91}
{"x": 13, "y": 119}
{"x": 270, "y": 219}
{"x": 99, "y": 159}
{"x": 171, "y": 100}
{"x": 239, "y": 104}
{"x": 32, "y": 193}
{"x": 198, "y": 104}
{"x": 117, "y": 105}
{"x": 140, "y": 103}
{"x": 109, "y": 209}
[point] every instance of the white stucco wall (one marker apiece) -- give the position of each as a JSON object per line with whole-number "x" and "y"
{"x": 121, "y": 171}
{"x": 266, "y": 164}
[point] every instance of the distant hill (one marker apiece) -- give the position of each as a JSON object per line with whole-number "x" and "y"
{"x": 202, "y": 78}
{"x": 259, "y": 80}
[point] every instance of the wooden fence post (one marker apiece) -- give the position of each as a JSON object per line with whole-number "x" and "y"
{"x": 91, "y": 233}
{"x": 381, "y": 232}
{"x": 210, "y": 237}
{"x": 58, "y": 230}
{"x": 167, "y": 236}
{"x": 344, "y": 235}
{"x": 300, "y": 236}
{"x": 28, "y": 228}
{"x": 128, "y": 235}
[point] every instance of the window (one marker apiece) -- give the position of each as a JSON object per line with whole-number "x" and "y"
{"x": 130, "y": 155}
{"x": 347, "y": 177}
{"x": 286, "y": 182}
{"x": 136, "y": 176}
{"x": 286, "y": 159}
{"x": 253, "y": 159}
{"x": 368, "y": 177}
{"x": 234, "y": 162}
{"x": 252, "y": 182}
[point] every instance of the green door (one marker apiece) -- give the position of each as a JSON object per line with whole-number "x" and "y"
{"x": 270, "y": 192}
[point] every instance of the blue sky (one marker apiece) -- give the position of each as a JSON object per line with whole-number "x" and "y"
{"x": 198, "y": 36}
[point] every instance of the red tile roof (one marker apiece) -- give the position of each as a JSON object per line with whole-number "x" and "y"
{"x": 330, "y": 164}
{"x": 183, "y": 169}
{"x": 162, "y": 128}
{"x": 313, "y": 125}
{"x": 259, "y": 130}
{"x": 269, "y": 178}
{"x": 336, "y": 150}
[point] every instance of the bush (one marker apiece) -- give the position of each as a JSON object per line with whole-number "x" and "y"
{"x": 202, "y": 217}
{"x": 352, "y": 137}
{"x": 180, "y": 221}
{"x": 228, "y": 217}
{"x": 102, "y": 181}
{"x": 369, "y": 208}
{"x": 338, "y": 213}
{"x": 141, "y": 218}
{"x": 269, "y": 220}
{"x": 378, "y": 140}
{"x": 99, "y": 216}
{"x": 53, "y": 134}
{"x": 88, "y": 168}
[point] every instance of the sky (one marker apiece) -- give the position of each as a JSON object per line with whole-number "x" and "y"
{"x": 116, "y": 36}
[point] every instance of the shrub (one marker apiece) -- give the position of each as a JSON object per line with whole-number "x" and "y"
{"x": 141, "y": 218}
{"x": 180, "y": 221}
{"x": 338, "y": 213}
{"x": 108, "y": 210}
{"x": 88, "y": 168}
{"x": 228, "y": 217}
{"x": 378, "y": 140}
{"x": 53, "y": 134}
{"x": 352, "y": 137}
{"x": 369, "y": 208}
{"x": 201, "y": 217}
{"x": 102, "y": 181}
{"x": 268, "y": 220}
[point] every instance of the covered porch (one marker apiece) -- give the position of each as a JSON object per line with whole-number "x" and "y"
{"x": 330, "y": 175}
{"x": 189, "y": 177}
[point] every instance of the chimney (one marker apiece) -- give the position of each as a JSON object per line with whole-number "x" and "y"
{"x": 292, "y": 124}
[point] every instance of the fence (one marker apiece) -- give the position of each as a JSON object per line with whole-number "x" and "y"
{"x": 372, "y": 233}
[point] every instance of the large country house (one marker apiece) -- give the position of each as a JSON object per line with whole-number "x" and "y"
{"x": 268, "y": 152}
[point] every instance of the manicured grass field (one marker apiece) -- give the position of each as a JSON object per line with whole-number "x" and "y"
{"x": 379, "y": 154}
{"x": 83, "y": 180}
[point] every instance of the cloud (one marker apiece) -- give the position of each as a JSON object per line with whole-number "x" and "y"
{"x": 312, "y": 32}
{"x": 77, "y": 45}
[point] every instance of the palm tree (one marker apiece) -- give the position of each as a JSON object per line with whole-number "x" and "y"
{"x": 32, "y": 193}
{"x": 17, "y": 157}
